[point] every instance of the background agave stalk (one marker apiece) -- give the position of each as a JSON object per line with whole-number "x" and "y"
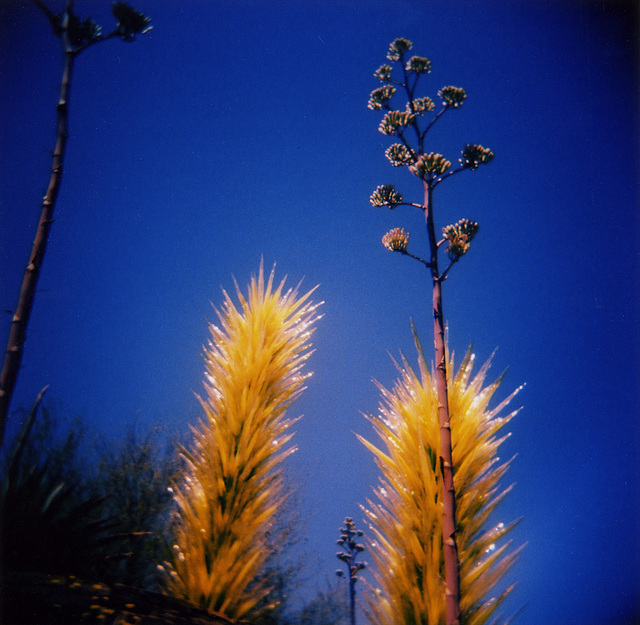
{"x": 406, "y": 520}
{"x": 350, "y": 549}
{"x": 232, "y": 487}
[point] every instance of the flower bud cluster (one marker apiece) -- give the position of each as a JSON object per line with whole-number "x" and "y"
{"x": 459, "y": 236}
{"x": 418, "y": 64}
{"x": 475, "y": 155}
{"x": 380, "y": 97}
{"x": 385, "y": 195}
{"x": 130, "y": 22}
{"x": 430, "y": 166}
{"x": 383, "y": 73}
{"x": 396, "y": 240}
{"x": 399, "y": 155}
{"x": 398, "y": 48}
{"x": 395, "y": 121}
{"x": 82, "y": 31}
{"x": 453, "y": 96}
{"x": 350, "y": 550}
{"x": 421, "y": 105}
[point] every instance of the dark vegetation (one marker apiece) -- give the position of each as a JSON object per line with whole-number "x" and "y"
{"x": 69, "y": 508}
{"x": 84, "y": 524}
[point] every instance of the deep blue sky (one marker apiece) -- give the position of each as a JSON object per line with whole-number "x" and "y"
{"x": 239, "y": 130}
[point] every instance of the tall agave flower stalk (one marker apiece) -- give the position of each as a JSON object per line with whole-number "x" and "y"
{"x": 232, "y": 486}
{"x": 406, "y": 519}
{"x": 411, "y": 125}
{"x": 76, "y": 35}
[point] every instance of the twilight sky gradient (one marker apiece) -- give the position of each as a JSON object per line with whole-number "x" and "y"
{"x": 239, "y": 130}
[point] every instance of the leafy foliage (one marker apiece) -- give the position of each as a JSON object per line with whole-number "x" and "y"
{"x": 406, "y": 518}
{"x": 133, "y": 480}
{"x": 71, "y": 508}
{"x": 231, "y": 488}
{"x": 50, "y": 520}
{"x": 328, "y": 607}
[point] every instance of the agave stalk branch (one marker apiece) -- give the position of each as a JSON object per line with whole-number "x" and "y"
{"x": 426, "y": 263}
{"x": 450, "y": 545}
{"x": 448, "y": 174}
{"x": 432, "y": 122}
{"x": 443, "y": 275}
{"x": 20, "y": 321}
{"x": 349, "y": 555}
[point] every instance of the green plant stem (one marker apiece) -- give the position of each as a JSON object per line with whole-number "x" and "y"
{"x": 20, "y": 321}
{"x": 450, "y": 546}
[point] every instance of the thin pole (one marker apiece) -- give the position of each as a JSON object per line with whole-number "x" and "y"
{"x": 20, "y": 321}
{"x": 450, "y": 546}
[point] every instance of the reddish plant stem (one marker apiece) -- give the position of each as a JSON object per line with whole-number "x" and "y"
{"x": 450, "y": 546}
{"x": 20, "y": 321}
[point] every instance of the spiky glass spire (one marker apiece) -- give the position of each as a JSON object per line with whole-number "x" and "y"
{"x": 232, "y": 488}
{"x": 406, "y": 526}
